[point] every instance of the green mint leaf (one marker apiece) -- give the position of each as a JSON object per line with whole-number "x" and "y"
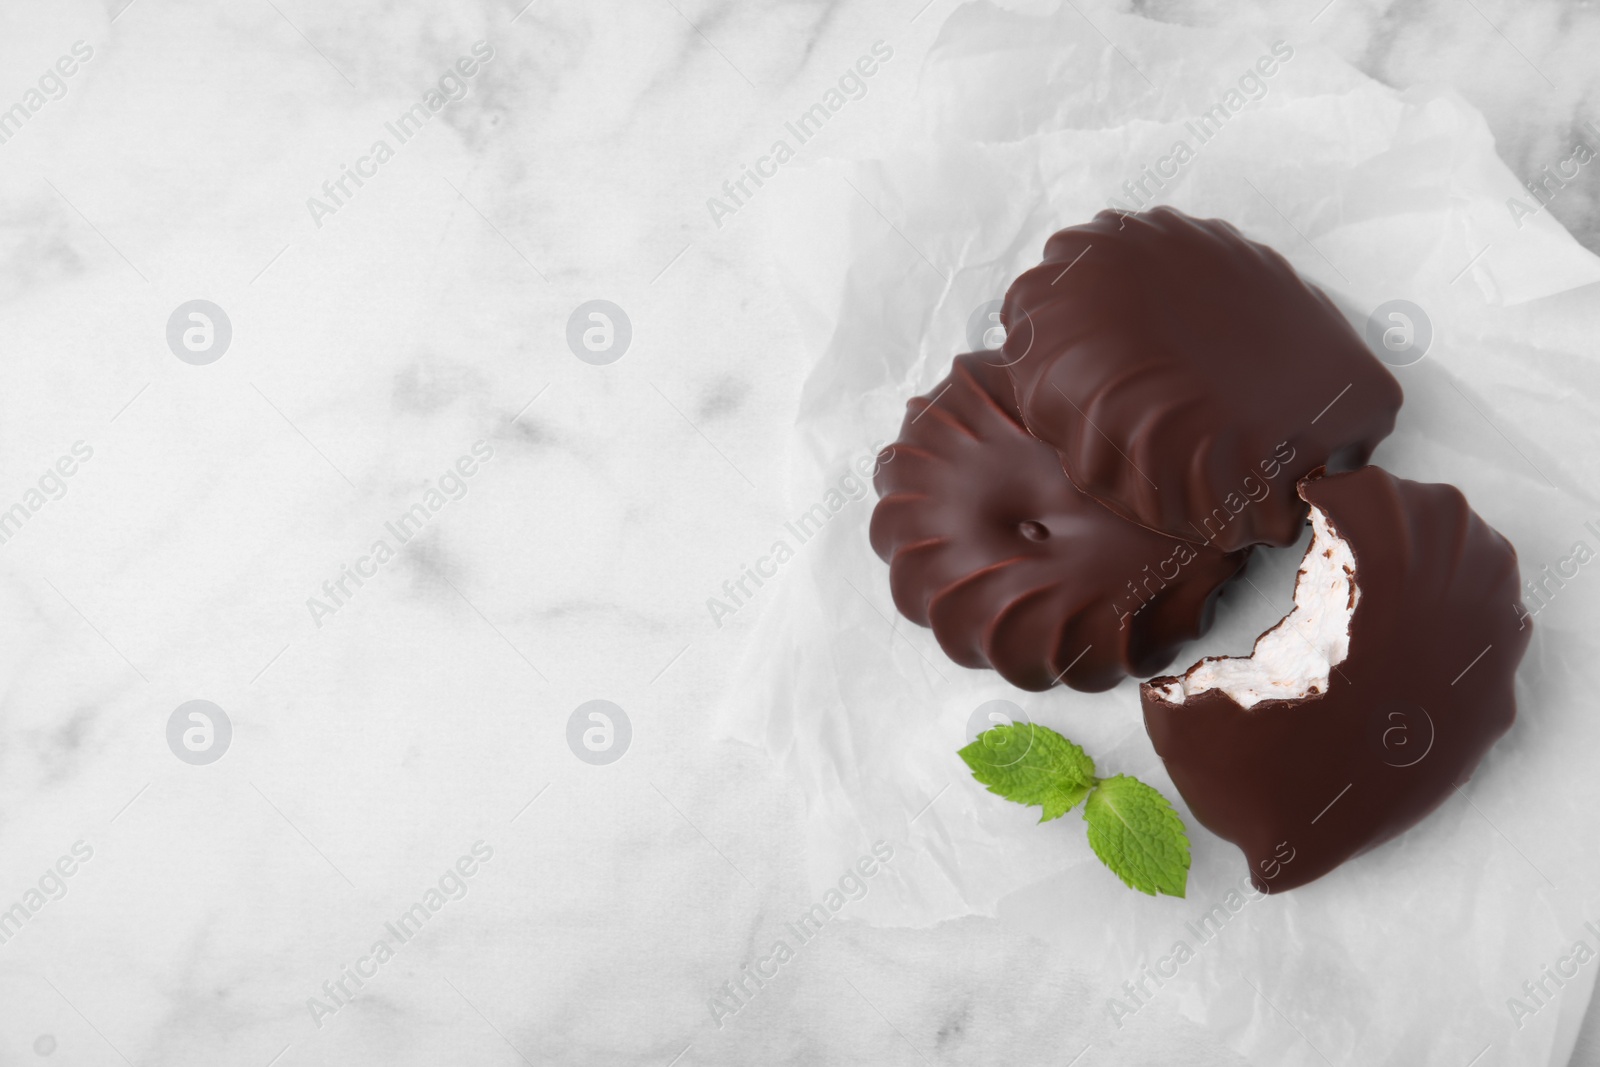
{"x": 1136, "y": 833}
{"x": 1031, "y": 765}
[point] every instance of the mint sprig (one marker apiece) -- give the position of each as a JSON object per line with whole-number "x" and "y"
{"x": 1132, "y": 828}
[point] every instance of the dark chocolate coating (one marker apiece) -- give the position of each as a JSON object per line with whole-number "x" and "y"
{"x": 1425, "y": 690}
{"x": 1175, "y": 365}
{"x": 989, "y": 544}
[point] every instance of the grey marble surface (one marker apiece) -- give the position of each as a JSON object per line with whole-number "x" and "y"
{"x": 401, "y": 346}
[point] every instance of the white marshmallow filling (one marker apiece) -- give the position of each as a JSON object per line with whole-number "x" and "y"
{"x": 1293, "y": 659}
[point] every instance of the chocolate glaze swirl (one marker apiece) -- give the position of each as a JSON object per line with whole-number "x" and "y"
{"x": 989, "y": 544}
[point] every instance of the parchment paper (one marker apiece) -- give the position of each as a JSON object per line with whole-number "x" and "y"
{"x": 1029, "y": 122}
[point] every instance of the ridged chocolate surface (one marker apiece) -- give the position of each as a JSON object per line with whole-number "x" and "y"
{"x": 989, "y": 544}
{"x": 1174, "y": 364}
{"x": 1426, "y": 689}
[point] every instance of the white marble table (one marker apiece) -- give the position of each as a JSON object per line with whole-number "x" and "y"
{"x": 397, "y": 371}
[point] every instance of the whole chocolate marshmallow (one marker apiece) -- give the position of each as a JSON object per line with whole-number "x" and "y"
{"x": 1189, "y": 377}
{"x": 989, "y": 544}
